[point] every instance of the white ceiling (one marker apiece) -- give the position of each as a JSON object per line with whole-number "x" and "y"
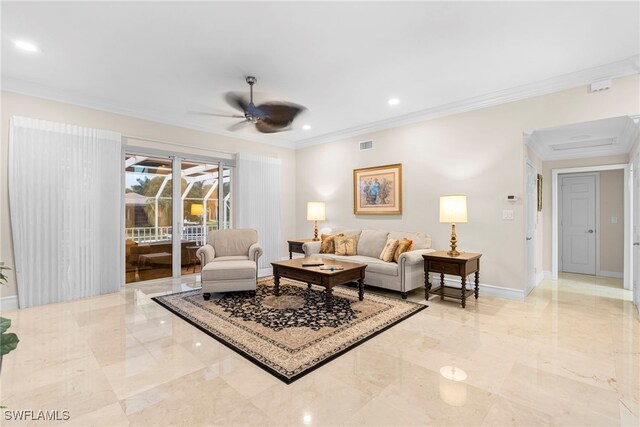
{"x": 606, "y": 137}
{"x": 160, "y": 60}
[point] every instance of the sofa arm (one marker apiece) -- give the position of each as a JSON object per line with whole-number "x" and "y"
{"x": 413, "y": 257}
{"x": 206, "y": 254}
{"x": 311, "y": 248}
{"x": 255, "y": 252}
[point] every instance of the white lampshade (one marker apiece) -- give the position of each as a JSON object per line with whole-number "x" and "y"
{"x": 453, "y": 208}
{"x": 197, "y": 209}
{"x": 315, "y": 211}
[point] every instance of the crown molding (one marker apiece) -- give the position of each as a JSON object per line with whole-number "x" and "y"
{"x": 626, "y": 67}
{"x": 22, "y": 87}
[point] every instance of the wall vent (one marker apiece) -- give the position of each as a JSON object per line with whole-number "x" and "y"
{"x": 366, "y": 145}
{"x": 601, "y": 85}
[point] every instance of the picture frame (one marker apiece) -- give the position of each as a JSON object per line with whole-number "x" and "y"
{"x": 378, "y": 190}
{"x": 539, "y": 182}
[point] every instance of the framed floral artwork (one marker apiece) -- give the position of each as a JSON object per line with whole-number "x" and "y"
{"x": 378, "y": 190}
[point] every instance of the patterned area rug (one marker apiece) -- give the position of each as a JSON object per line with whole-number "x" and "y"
{"x": 295, "y": 333}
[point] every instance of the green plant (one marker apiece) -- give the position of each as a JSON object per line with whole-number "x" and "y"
{"x": 8, "y": 341}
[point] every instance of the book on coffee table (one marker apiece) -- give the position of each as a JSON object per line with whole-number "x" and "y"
{"x": 312, "y": 263}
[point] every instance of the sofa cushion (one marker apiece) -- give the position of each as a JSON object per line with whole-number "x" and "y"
{"x": 371, "y": 242}
{"x": 374, "y": 265}
{"x": 389, "y": 250}
{"x": 420, "y": 240}
{"x": 230, "y": 258}
{"x": 230, "y": 270}
{"x": 232, "y": 242}
{"x": 345, "y": 245}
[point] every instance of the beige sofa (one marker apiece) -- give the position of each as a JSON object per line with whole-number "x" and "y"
{"x": 229, "y": 261}
{"x": 403, "y": 276}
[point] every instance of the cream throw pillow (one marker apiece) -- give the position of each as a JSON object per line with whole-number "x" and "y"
{"x": 345, "y": 245}
{"x": 389, "y": 250}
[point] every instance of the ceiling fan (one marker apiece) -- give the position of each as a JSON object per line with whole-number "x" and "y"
{"x": 269, "y": 117}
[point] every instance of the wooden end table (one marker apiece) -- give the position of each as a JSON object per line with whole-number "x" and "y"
{"x": 295, "y": 245}
{"x": 293, "y": 269}
{"x": 461, "y": 265}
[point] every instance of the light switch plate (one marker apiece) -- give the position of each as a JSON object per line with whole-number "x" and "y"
{"x": 507, "y": 214}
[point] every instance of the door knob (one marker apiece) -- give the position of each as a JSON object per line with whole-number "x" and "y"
{"x": 589, "y": 231}
{"x": 529, "y": 238}
{"x": 636, "y": 243}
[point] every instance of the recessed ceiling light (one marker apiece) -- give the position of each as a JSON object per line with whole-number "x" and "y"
{"x": 393, "y": 101}
{"x": 26, "y": 46}
{"x": 306, "y": 127}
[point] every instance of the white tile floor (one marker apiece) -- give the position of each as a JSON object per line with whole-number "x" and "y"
{"x": 569, "y": 355}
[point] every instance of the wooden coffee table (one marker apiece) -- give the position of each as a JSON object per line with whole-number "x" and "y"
{"x": 293, "y": 269}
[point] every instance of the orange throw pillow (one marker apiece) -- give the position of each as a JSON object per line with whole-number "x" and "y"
{"x": 405, "y": 245}
{"x": 328, "y": 245}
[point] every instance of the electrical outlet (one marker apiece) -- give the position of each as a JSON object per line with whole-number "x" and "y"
{"x": 507, "y": 214}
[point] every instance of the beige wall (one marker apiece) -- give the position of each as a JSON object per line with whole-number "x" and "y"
{"x": 478, "y": 153}
{"x": 612, "y": 235}
{"x": 13, "y": 104}
{"x": 546, "y": 193}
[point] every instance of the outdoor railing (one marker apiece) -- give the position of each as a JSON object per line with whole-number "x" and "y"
{"x": 194, "y": 233}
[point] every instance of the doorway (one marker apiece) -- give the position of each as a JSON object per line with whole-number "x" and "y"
{"x": 624, "y": 220}
{"x": 579, "y": 237}
{"x": 165, "y": 224}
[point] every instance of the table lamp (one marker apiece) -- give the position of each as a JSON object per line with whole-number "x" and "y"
{"x": 197, "y": 209}
{"x": 453, "y": 209}
{"x": 315, "y": 212}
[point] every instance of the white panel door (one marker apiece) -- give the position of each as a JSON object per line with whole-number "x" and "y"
{"x": 532, "y": 209}
{"x": 578, "y": 223}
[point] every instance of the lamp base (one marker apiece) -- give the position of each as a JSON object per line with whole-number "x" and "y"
{"x": 315, "y": 232}
{"x": 454, "y": 242}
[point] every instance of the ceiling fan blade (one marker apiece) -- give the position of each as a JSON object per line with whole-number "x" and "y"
{"x": 237, "y": 126}
{"x": 266, "y": 126}
{"x": 281, "y": 113}
{"x": 202, "y": 113}
{"x": 237, "y": 101}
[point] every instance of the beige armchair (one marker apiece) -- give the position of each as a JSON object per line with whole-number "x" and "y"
{"x": 229, "y": 261}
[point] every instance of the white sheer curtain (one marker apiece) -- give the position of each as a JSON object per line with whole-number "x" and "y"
{"x": 64, "y": 197}
{"x": 258, "y": 202}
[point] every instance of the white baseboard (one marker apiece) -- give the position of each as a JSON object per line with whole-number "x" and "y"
{"x": 490, "y": 290}
{"x": 9, "y": 303}
{"x": 539, "y": 278}
{"x": 614, "y": 274}
{"x": 547, "y": 275}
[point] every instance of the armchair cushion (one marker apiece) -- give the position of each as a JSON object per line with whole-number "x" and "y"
{"x": 231, "y": 258}
{"x": 216, "y": 271}
{"x": 232, "y": 242}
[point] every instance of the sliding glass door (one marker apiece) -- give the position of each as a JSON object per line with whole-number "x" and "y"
{"x": 156, "y": 246}
{"x": 148, "y": 217}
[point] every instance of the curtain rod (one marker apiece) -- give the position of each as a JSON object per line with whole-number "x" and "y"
{"x": 142, "y": 138}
